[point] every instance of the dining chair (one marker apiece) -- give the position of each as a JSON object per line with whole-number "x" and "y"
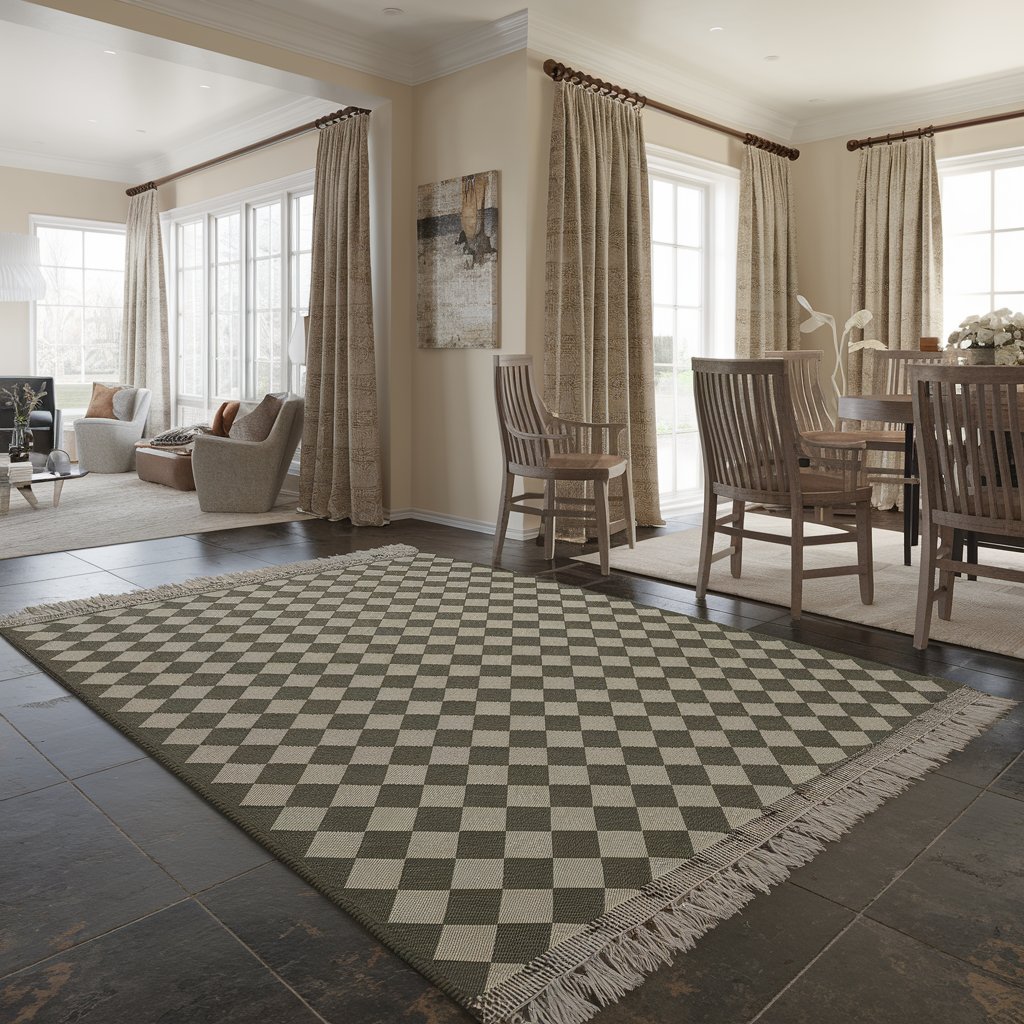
{"x": 538, "y": 445}
{"x": 892, "y": 367}
{"x": 752, "y": 452}
{"x": 969, "y": 422}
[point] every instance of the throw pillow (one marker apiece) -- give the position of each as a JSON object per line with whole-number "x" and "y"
{"x": 111, "y": 402}
{"x": 256, "y": 426}
{"x": 223, "y": 418}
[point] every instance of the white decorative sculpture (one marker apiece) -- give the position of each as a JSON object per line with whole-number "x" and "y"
{"x": 859, "y": 319}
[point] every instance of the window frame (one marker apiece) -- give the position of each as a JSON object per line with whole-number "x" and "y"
{"x": 39, "y": 220}
{"x": 974, "y": 163}
{"x": 243, "y": 202}
{"x": 719, "y": 184}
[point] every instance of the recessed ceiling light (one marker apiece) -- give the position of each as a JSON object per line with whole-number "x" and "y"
{"x": 205, "y": 87}
{"x": 393, "y": 12}
{"x": 92, "y": 120}
{"x": 716, "y": 28}
{"x": 113, "y": 53}
{"x": 141, "y": 131}
{"x": 772, "y": 56}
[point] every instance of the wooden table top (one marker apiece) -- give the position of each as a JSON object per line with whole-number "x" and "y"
{"x": 884, "y": 408}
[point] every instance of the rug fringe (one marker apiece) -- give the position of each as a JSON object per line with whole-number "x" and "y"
{"x": 625, "y": 961}
{"x": 103, "y": 602}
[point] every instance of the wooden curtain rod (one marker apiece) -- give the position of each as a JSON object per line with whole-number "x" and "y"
{"x": 561, "y": 73}
{"x": 320, "y": 122}
{"x": 932, "y": 129}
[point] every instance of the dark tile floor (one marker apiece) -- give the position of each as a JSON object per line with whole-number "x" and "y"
{"x": 125, "y": 899}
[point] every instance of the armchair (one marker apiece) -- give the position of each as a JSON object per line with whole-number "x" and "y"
{"x": 106, "y": 445}
{"x": 246, "y": 476}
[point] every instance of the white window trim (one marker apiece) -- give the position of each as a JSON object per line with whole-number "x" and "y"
{"x": 974, "y": 163}
{"x": 40, "y": 220}
{"x": 721, "y": 185}
{"x": 240, "y": 201}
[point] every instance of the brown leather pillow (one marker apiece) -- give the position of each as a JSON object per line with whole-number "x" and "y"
{"x": 256, "y": 425}
{"x": 223, "y": 418}
{"x": 102, "y": 404}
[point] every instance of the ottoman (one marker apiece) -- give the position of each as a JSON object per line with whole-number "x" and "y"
{"x": 171, "y": 467}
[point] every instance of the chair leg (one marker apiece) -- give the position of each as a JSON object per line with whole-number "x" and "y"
{"x": 865, "y": 558}
{"x": 925, "y": 586}
{"x": 707, "y": 542}
{"x": 739, "y": 509}
{"x": 504, "y": 503}
{"x": 603, "y": 537}
{"x": 549, "y": 519}
{"x": 628, "y": 507}
{"x": 946, "y": 577}
{"x": 796, "y": 570}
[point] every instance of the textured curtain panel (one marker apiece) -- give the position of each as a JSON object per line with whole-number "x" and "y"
{"x": 341, "y": 458}
{"x": 897, "y": 259}
{"x": 145, "y": 344}
{"x": 767, "y": 314}
{"x": 598, "y": 344}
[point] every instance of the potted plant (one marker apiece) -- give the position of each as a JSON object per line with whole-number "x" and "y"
{"x": 996, "y": 337}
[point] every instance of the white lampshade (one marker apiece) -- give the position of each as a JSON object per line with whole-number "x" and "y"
{"x": 297, "y": 341}
{"x": 21, "y": 280}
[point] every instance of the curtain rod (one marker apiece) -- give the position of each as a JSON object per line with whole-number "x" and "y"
{"x": 562, "y": 73}
{"x": 932, "y": 129}
{"x": 320, "y": 122}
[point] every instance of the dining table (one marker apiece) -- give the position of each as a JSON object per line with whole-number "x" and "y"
{"x": 894, "y": 409}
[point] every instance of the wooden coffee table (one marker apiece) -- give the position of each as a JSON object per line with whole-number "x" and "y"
{"x": 39, "y": 476}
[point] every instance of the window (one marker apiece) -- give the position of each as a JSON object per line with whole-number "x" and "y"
{"x": 77, "y": 324}
{"x": 982, "y": 235}
{"x": 239, "y": 273}
{"x": 693, "y": 254}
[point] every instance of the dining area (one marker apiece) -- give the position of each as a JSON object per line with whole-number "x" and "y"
{"x": 945, "y": 439}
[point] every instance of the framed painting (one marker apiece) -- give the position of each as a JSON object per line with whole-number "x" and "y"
{"x": 457, "y": 262}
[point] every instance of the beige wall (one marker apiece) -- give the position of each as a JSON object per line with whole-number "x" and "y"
{"x": 23, "y": 193}
{"x": 825, "y": 182}
{"x": 473, "y": 120}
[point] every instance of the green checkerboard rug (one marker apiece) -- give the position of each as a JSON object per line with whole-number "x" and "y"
{"x": 532, "y": 793}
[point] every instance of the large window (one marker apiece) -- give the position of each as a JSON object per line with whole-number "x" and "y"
{"x": 77, "y": 324}
{"x": 693, "y": 254}
{"x": 982, "y": 235}
{"x": 239, "y": 273}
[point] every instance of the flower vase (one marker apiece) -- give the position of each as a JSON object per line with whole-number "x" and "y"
{"x": 21, "y": 443}
{"x": 976, "y": 356}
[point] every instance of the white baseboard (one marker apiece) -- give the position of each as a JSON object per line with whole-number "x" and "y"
{"x": 476, "y": 525}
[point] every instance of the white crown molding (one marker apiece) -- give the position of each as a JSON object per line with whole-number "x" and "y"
{"x": 254, "y": 19}
{"x": 668, "y": 83}
{"x": 217, "y": 139}
{"x": 917, "y": 109}
{"x": 102, "y": 170}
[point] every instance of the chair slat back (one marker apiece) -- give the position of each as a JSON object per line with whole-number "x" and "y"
{"x": 804, "y": 370}
{"x": 892, "y": 368}
{"x": 970, "y": 436}
{"x": 520, "y": 408}
{"x": 746, "y": 423}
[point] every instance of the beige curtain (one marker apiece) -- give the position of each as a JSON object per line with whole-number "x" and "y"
{"x": 897, "y": 260}
{"x": 767, "y": 314}
{"x": 145, "y": 344}
{"x": 341, "y": 458}
{"x": 598, "y": 344}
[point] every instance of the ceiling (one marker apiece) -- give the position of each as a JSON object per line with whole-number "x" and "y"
{"x": 153, "y": 106}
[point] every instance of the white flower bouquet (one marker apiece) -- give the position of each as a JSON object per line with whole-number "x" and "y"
{"x": 1001, "y": 330}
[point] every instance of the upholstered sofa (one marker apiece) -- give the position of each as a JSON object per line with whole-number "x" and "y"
{"x": 108, "y": 445}
{"x": 45, "y": 422}
{"x": 246, "y": 476}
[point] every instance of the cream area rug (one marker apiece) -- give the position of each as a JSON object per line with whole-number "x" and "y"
{"x": 115, "y": 508}
{"x": 987, "y": 614}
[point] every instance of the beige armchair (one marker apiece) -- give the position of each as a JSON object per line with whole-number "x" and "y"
{"x": 246, "y": 476}
{"x": 108, "y": 446}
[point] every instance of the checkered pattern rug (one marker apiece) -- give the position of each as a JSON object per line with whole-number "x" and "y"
{"x": 476, "y": 765}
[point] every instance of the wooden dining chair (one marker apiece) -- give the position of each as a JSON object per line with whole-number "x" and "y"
{"x": 752, "y": 452}
{"x": 892, "y": 367}
{"x": 537, "y": 445}
{"x": 969, "y": 422}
